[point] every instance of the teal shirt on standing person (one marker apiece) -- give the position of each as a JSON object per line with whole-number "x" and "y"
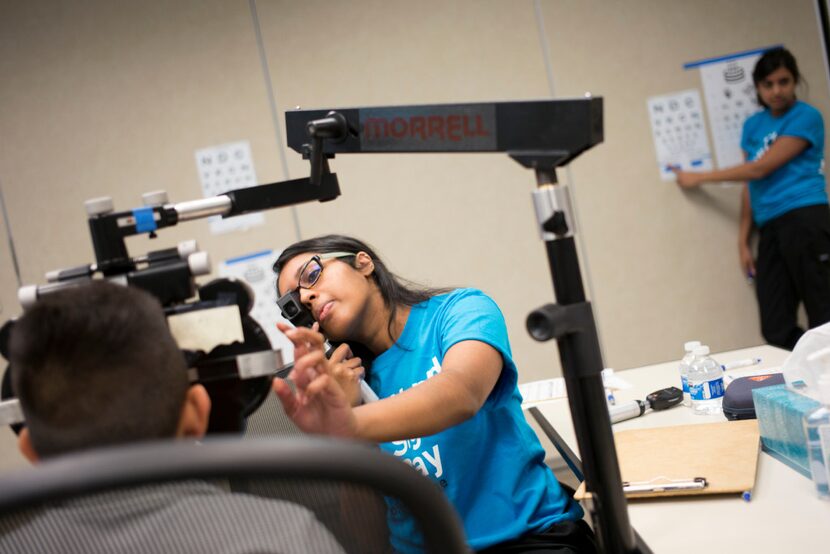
{"x": 799, "y": 182}
{"x": 492, "y": 466}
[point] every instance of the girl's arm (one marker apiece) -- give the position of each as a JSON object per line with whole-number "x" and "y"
{"x": 780, "y": 152}
{"x": 469, "y": 373}
{"x": 744, "y": 234}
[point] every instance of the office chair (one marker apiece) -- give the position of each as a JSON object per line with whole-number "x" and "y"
{"x": 62, "y": 505}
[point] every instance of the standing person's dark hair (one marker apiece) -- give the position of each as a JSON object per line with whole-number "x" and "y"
{"x": 96, "y": 365}
{"x": 769, "y": 62}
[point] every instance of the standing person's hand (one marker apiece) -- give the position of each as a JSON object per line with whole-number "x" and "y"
{"x": 687, "y": 179}
{"x": 747, "y": 261}
{"x": 316, "y": 404}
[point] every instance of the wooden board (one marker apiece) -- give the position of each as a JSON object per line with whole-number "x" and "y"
{"x": 726, "y": 454}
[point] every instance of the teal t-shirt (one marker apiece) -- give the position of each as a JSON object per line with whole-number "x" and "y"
{"x": 799, "y": 182}
{"x": 491, "y": 466}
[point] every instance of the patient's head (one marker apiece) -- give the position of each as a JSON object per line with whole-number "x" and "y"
{"x": 96, "y": 365}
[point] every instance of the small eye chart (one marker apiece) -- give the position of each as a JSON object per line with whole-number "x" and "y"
{"x": 255, "y": 269}
{"x": 679, "y": 133}
{"x": 223, "y": 168}
{"x": 730, "y": 99}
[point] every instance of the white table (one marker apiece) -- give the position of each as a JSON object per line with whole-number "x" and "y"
{"x": 784, "y": 515}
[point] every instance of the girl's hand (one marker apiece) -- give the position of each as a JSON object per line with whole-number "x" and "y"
{"x": 316, "y": 404}
{"x": 305, "y": 340}
{"x": 747, "y": 261}
{"x": 687, "y": 179}
{"x": 347, "y": 371}
{"x": 342, "y": 367}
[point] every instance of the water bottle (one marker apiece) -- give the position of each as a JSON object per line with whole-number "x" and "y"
{"x": 684, "y": 369}
{"x": 817, "y": 429}
{"x": 705, "y": 383}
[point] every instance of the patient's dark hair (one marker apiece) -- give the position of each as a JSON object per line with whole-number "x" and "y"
{"x": 96, "y": 365}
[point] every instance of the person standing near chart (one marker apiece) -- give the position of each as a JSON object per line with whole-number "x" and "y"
{"x": 785, "y": 198}
{"x": 449, "y": 404}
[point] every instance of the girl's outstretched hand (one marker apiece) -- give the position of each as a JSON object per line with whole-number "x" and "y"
{"x": 305, "y": 340}
{"x": 687, "y": 179}
{"x": 344, "y": 368}
{"x": 316, "y": 403}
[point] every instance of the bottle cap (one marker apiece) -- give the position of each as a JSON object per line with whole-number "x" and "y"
{"x": 702, "y": 350}
{"x": 691, "y": 345}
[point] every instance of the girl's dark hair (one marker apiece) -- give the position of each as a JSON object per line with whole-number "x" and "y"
{"x": 394, "y": 290}
{"x": 770, "y": 61}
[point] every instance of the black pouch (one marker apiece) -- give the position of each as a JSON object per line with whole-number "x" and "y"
{"x": 737, "y": 400}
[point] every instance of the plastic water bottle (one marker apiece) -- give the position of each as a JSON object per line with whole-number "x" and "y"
{"x": 705, "y": 383}
{"x": 817, "y": 429}
{"x": 684, "y": 369}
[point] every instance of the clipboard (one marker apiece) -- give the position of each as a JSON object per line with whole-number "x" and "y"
{"x": 684, "y": 460}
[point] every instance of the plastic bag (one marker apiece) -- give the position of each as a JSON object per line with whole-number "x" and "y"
{"x": 809, "y": 359}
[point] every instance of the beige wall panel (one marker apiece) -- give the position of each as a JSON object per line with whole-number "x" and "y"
{"x": 9, "y": 456}
{"x": 664, "y": 262}
{"x": 8, "y": 280}
{"x": 463, "y": 219}
{"x": 112, "y": 98}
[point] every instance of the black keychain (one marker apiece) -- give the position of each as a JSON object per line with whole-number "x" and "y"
{"x": 664, "y": 399}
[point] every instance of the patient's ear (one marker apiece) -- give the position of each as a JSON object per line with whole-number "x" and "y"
{"x": 24, "y": 444}
{"x": 193, "y": 421}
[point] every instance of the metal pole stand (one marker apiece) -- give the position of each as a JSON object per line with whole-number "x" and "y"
{"x": 571, "y": 322}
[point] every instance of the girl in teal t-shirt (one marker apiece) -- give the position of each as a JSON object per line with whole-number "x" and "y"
{"x": 449, "y": 404}
{"x": 786, "y": 199}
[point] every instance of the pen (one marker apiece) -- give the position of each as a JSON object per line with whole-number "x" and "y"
{"x": 611, "y": 398}
{"x": 741, "y": 363}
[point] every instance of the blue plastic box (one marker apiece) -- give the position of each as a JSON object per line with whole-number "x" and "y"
{"x": 780, "y": 413}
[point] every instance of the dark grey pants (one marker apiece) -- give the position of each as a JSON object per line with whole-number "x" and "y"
{"x": 793, "y": 266}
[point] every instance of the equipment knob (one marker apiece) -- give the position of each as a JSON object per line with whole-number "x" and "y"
{"x": 99, "y": 206}
{"x": 186, "y": 248}
{"x": 199, "y": 263}
{"x": 154, "y": 198}
{"x": 27, "y": 296}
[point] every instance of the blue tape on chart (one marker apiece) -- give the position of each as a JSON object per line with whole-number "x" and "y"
{"x": 144, "y": 220}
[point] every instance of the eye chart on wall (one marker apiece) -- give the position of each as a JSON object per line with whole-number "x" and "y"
{"x": 679, "y": 133}
{"x": 227, "y": 167}
{"x": 255, "y": 269}
{"x": 730, "y": 99}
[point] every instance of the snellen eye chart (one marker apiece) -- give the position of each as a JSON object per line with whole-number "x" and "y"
{"x": 227, "y": 167}
{"x": 678, "y": 129}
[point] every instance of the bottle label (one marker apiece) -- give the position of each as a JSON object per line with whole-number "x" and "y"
{"x": 707, "y": 390}
{"x": 685, "y": 383}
